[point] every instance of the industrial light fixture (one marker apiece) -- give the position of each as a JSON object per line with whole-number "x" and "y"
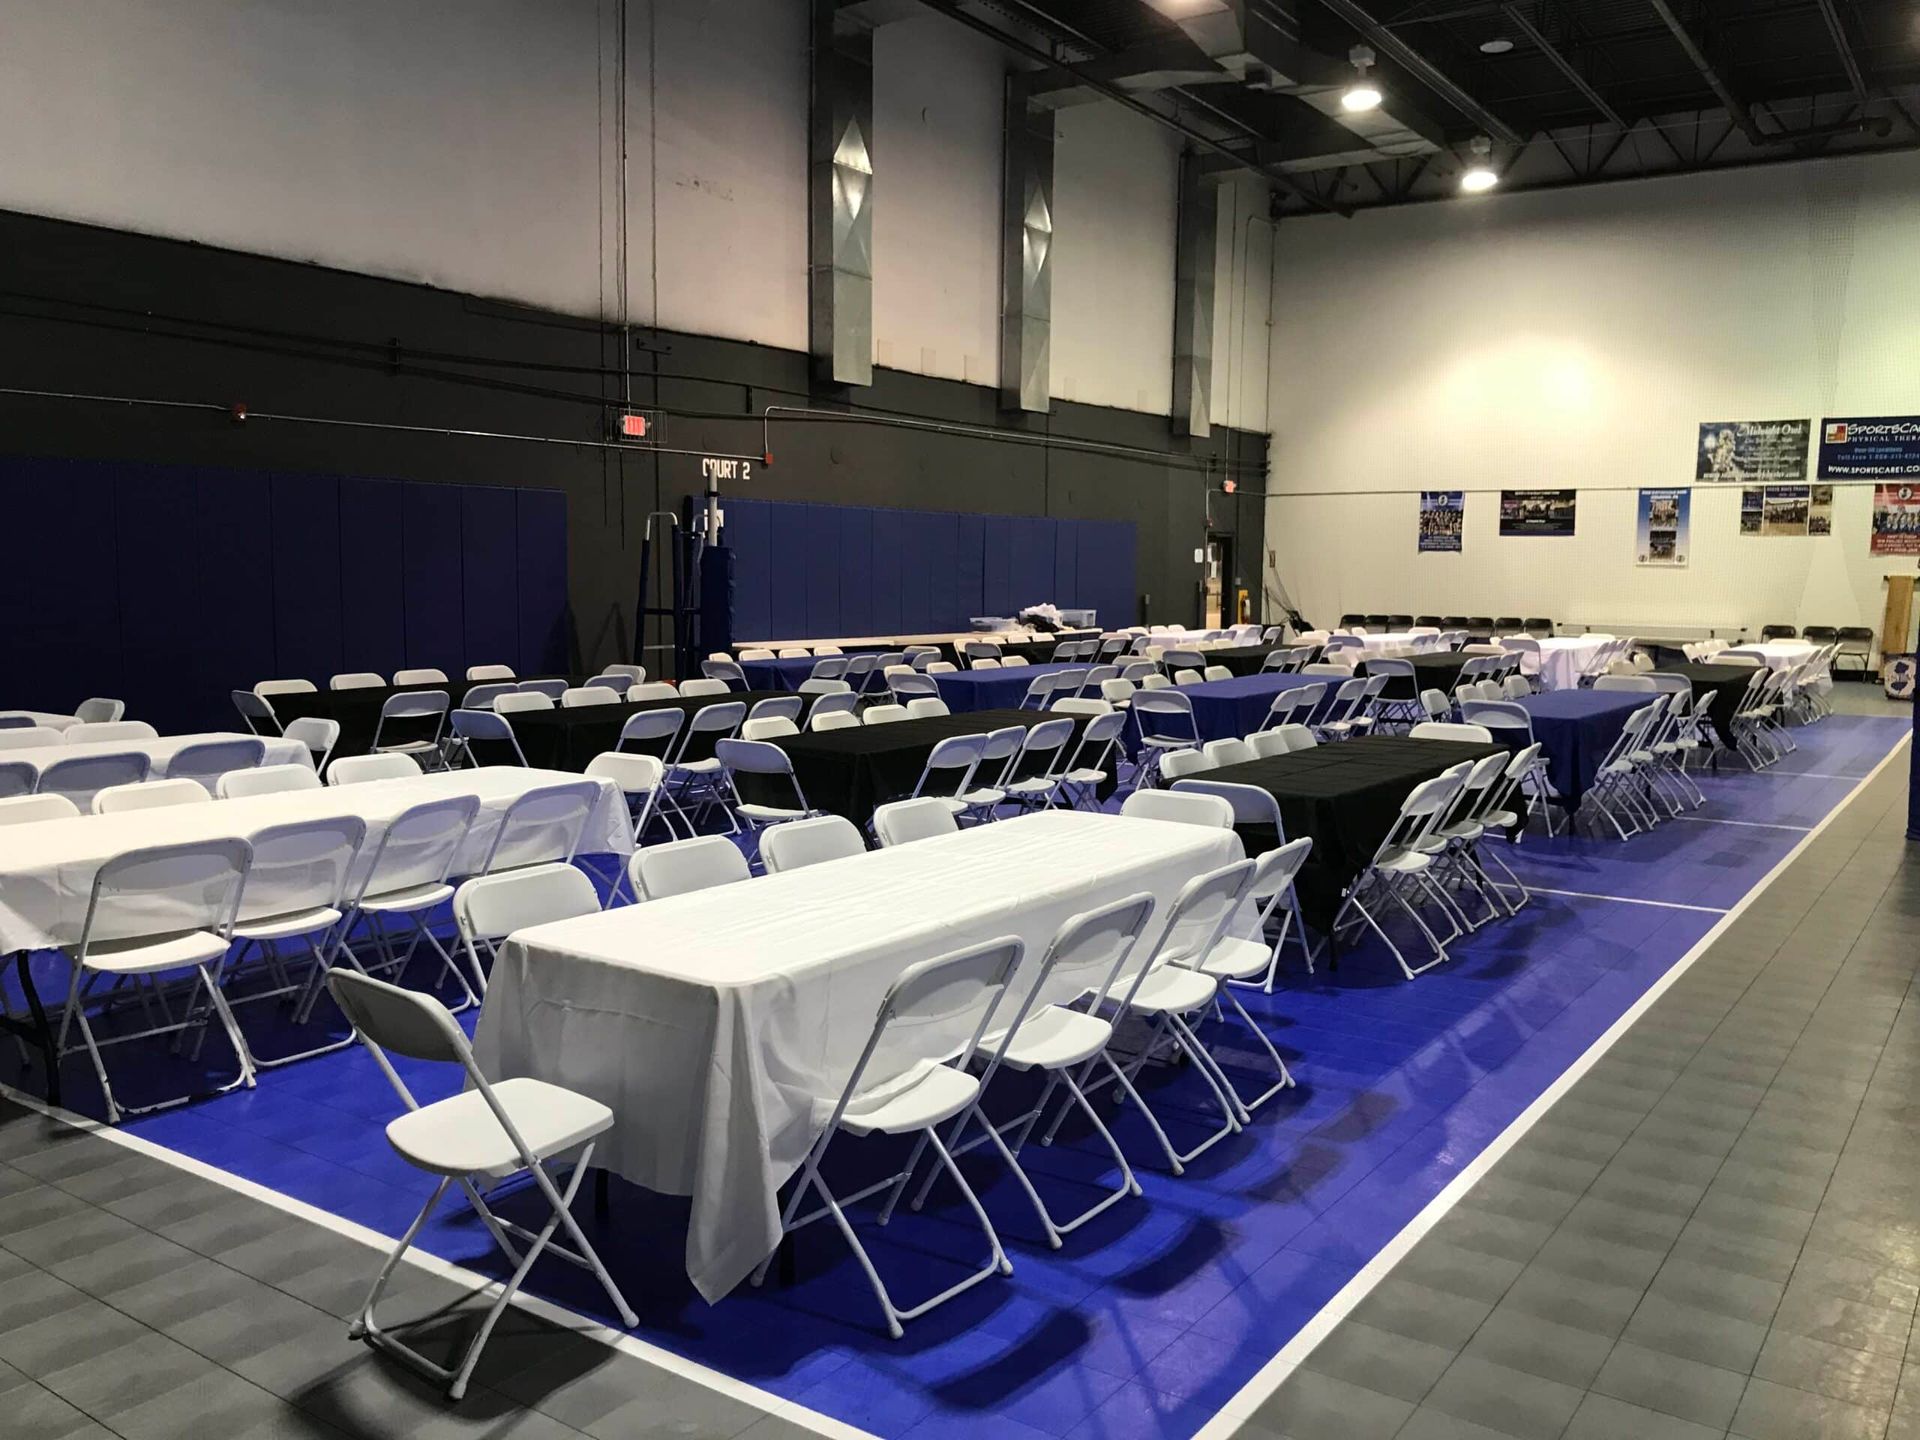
{"x": 1498, "y": 45}
{"x": 1362, "y": 94}
{"x": 1479, "y": 176}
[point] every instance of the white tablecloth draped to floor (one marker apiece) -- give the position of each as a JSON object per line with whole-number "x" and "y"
{"x": 721, "y": 1026}
{"x": 1781, "y": 654}
{"x": 1564, "y": 658}
{"x": 47, "y": 866}
{"x": 159, "y": 753}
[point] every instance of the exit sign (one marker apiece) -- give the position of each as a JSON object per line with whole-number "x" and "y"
{"x": 634, "y": 427}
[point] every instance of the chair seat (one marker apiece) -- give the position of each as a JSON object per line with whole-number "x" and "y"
{"x": 986, "y": 795}
{"x": 770, "y": 814}
{"x": 1174, "y": 989}
{"x": 1055, "y": 1038}
{"x": 1087, "y": 777}
{"x": 1404, "y": 862}
{"x": 938, "y": 1093}
{"x": 1501, "y": 819}
{"x": 150, "y": 953}
{"x": 293, "y": 922}
{"x": 408, "y": 747}
{"x": 1164, "y": 742}
{"x": 1238, "y": 959}
{"x": 709, "y": 766}
{"x": 1030, "y": 787}
{"x": 461, "y": 1136}
{"x": 413, "y": 897}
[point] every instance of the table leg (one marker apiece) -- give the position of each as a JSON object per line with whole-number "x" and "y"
{"x": 41, "y": 1033}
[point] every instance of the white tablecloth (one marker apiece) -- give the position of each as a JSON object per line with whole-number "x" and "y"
{"x": 42, "y": 718}
{"x": 1564, "y": 658}
{"x": 721, "y": 1026}
{"x": 47, "y": 866}
{"x": 1781, "y": 654}
{"x": 160, "y": 753}
{"x": 1389, "y": 639}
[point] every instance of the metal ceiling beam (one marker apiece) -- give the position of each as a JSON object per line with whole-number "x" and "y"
{"x": 953, "y": 11}
{"x": 1566, "y": 67}
{"x": 1837, "y": 28}
{"x": 1404, "y": 55}
{"x": 1736, "y": 111}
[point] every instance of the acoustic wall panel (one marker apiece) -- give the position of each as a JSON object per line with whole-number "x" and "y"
{"x": 544, "y": 647}
{"x": 490, "y": 577}
{"x": 167, "y": 647}
{"x": 235, "y": 519}
{"x": 803, "y": 570}
{"x": 61, "y": 639}
{"x": 434, "y": 575}
{"x": 303, "y": 573}
{"x": 373, "y": 605}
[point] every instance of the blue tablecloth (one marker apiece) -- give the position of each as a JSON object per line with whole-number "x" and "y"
{"x": 782, "y": 674}
{"x": 1575, "y": 729}
{"x": 966, "y": 691}
{"x": 1224, "y": 709}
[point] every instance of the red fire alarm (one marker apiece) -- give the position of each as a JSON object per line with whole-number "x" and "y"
{"x": 634, "y": 427}
{"x": 1229, "y": 486}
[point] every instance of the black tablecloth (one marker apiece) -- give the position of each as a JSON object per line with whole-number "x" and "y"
{"x": 1717, "y": 690}
{"x": 1344, "y": 797}
{"x": 358, "y": 711}
{"x": 1243, "y": 659}
{"x": 850, "y": 771}
{"x": 567, "y": 738}
{"x": 1430, "y": 672}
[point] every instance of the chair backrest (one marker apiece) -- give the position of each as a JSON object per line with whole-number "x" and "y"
{"x": 822, "y": 686}
{"x": 419, "y": 845}
{"x": 1088, "y": 953}
{"x": 253, "y": 709}
{"x": 833, "y": 720}
{"x": 302, "y": 863}
{"x": 542, "y": 825}
{"x": 491, "y": 907}
{"x": 1083, "y": 704}
{"x": 808, "y": 842}
{"x": 642, "y": 691}
{"x": 618, "y": 684}
{"x": 726, "y": 672}
{"x": 514, "y": 701}
{"x": 902, "y": 820}
{"x": 481, "y": 697}
{"x": 1389, "y": 667}
{"x": 1249, "y": 803}
{"x": 427, "y": 676}
{"x": 768, "y": 727}
{"x": 285, "y": 687}
{"x": 1209, "y": 810}
{"x": 357, "y": 680}
{"x": 100, "y": 710}
{"x": 783, "y": 706}
{"x": 884, "y": 714}
{"x": 1205, "y": 907}
{"x": 911, "y": 683}
{"x": 93, "y": 731}
{"x": 1217, "y": 672}
{"x": 318, "y": 733}
{"x": 487, "y": 726}
{"x": 489, "y": 672}
{"x": 27, "y": 737}
{"x": 405, "y": 1022}
{"x": 1515, "y": 687}
{"x": 986, "y": 662}
{"x": 1281, "y": 740}
{"x": 552, "y": 689}
{"x": 683, "y": 866}
{"x": 634, "y": 774}
{"x": 1638, "y": 683}
{"x": 1499, "y": 716}
{"x": 25, "y": 809}
{"x": 207, "y": 761}
{"x": 153, "y": 795}
{"x": 1188, "y": 677}
{"x": 81, "y": 777}
{"x": 923, "y": 706}
{"x": 166, "y": 888}
{"x": 574, "y": 697}
{"x": 266, "y": 780}
{"x": 1227, "y": 752}
{"x": 17, "y": 777}
{"x": 760, "y": 652}
{"x": 708, "y": 686}
{"x": 1183, "y": 762}
{"x": 1447, "y": 730}
{"x": 1165, "y": 713}
{"x": 355, "y": 769}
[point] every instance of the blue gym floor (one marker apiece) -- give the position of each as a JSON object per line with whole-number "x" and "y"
{"x": 1151, "y": 1318}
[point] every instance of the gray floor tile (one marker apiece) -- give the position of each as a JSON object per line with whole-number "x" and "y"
{"x": 1429, "y": 1424}
{"x": 1601, "y": 1417}
{"x": 1714, "y": 1339}
{"x": 1774, "y": 1412}
{"x": 1510, "y": 1401}
{"x": 1849, "y": 1323}
{"x": 1312, "y": 1406}
{"x": 1401, "y": 1307}
{"x": 1380, "y": 1360}
{"x": 1583, "y": 1304}
{"x": 1714, "y": 1288}
{"x": 1859, "y": 1377}
{"x": 1519, "y": 1341}
{"x": 1671, "y": 1385}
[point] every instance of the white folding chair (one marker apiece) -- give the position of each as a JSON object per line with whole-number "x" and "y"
{"x": 834, "y": 720}
{"x": 296, "y": 892}
{"x": 357, "y": 680}
{"x": 1043, "y": 749}
{"x": 270, "y": 688}
{"x": 358, "y": 769}
{"x": 901, "y": 821}
{"x": 702, "y": 782}
{"x": 575, "y": 696}
{"x": 770, "y": 762}
{"x": 489, "y": 672}
{"x": 1086, "y": 769}
{"x": 642, "y": 691}
{"x": 1182, "y": 808}
{"x": 319, "y": 735}
{"x": 1166, "y": 724}
{"x": 652, "y": 732}
{"x": 810, "y": 842}
{"x": 894, "y": 1091}
{"x": 26, "y": 809}
{"x": 1253, "y": 806}
{"x": 424, "y": 676}
{"x": 1081, "y": 966}
{"x": 513, "y": 1128}
{"x": 484, "y": 727}
{"x": 641, "y": 779}
{"x": 81, "y": 777}
{"x": 149, "y": 913}
{"x": 207, "y": 761}
{"x": 542, "y": 826}
{"x": 684, "y": 866}
{"x": 783, "y": 707}
{"x": 100, "y": 711}
{"x": 150, "y": 795}
{"x": 257, "y": 711}
{"x": 488, "y": 908}
{"x": 423, "y": 718}
{"x": 1398, "y": 867}
{"x": 93, "y": 732}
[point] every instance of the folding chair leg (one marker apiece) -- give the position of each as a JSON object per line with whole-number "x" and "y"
{"x": 1285, "y": 1081}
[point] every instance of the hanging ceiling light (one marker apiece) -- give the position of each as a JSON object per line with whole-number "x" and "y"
{"x": 1362, "y": 94}
{"x": 1479, "y": 176}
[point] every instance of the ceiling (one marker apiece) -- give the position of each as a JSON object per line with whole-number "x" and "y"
{"x": 1691, "y": 83}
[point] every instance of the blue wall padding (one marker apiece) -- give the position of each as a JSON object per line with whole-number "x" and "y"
{"x": 816, "y": 571}
{"x": 171, "y": 586}
{"x": 490, "y": 565}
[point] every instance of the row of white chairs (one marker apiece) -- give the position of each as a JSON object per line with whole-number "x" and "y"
{"x": 112, "y": 780}
{"x": 97, "y": 711}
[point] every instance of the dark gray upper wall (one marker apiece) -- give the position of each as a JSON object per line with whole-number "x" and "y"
{"x": 107, "y": 313}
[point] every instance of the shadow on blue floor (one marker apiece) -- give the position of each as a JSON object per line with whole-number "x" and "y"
{"x": 1156, "y": 1314}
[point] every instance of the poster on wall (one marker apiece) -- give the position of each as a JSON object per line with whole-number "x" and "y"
{"x": 1820, "y": 511}
{"x": 1753, "y": 503}
{"x": 1752, "y": 450}
{"x": 1786, "y": 510}
{"x": 1896, "y": 520}
{"x": 1537, "y": 512}
{"x": 1440, "y": 514}
{"x": 1665, "y": 524}
{"x": 1883, "y": 447}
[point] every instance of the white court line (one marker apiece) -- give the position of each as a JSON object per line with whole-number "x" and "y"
{"x": 1240, "y": 1409}
{"x": 379, "y": 1246}
{"x": 1627, "y": 900}
{"x": 1810, "y": 775}
{"x": 1749, "y": 824}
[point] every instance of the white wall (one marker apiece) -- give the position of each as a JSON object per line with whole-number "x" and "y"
{"x": 474, "y": 144}
{"x": 1578, "y": 338}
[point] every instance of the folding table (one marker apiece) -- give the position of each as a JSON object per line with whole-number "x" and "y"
{"x": 1430, "y": 672}
{"x": 966, "y": 690}
{"x": 568, "y": 737}
{"x": 358, "y": 711}
{"x": 1717, "y": 690}
{"x": 1226, "y": 709}
{"x": 160, "y": 752}
{"x": 1576, "y": 729}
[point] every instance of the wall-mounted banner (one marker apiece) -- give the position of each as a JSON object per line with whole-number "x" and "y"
{"x": 1786, "y": 510}
{"x": 1820, "y": 511}
{"x": 1440, "y": 514}
{"x": 1753, "y": 504}
{"x": 1753, "y": 450}
{"x": 1537, "y": 512}
{"x": 1880, "y": 448}
{"x": 1896, "y": 520}
{"x": 1666, "y": 523}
